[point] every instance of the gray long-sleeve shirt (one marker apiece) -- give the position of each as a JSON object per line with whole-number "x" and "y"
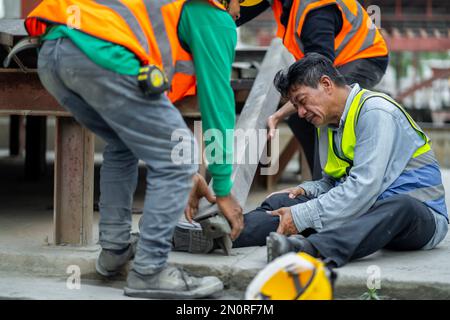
{"x": 383, "y": 148}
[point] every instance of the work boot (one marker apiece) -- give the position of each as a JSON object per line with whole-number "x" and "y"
{"x": 278, "y": 245}
{"x": 171, "y": 283}
{"x": 110, "y": 262}
{"x": 189, "y": 237}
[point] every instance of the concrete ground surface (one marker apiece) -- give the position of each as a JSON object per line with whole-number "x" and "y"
{"x": 32, "y": 268}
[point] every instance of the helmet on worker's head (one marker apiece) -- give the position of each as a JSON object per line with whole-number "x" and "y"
{"x": 293, "y": 277}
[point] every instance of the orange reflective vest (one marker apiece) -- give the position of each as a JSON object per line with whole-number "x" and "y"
{"x": 148, "y": 28}
{"x": 358, "y": 39}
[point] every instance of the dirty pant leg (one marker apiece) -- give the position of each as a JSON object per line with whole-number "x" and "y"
{"x": 118, "y": 181}
{"x": 118, "y": 174}
{"x": 258, "y": 224}
{"x": 168, "y": 185}
{"x": 145, "y": 125}
{"x": 397, "y": 223}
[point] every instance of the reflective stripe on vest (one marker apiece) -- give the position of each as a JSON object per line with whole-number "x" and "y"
{"x": 185, "y": 66}
{"x": 359, "y": 38}
{"x": 159, "y": 28}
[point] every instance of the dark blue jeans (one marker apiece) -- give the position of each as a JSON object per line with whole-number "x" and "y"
{"x": 396, "y": 223}
{"x": 258, "y": 223}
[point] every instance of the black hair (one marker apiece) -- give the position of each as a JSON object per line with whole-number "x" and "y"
{"x": 308, "y": 72}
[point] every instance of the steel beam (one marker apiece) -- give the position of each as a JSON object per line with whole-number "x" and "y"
{"x": 21, "y": 92}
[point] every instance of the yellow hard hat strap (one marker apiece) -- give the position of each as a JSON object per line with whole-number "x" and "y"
{"x": 298, "y": 286}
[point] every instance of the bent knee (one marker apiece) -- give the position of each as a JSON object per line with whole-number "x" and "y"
{"x": 280, "y": 200}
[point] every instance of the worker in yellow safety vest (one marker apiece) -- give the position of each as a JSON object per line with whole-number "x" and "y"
{"x": 381, "y": 184}
{"x": 341, "y": 30}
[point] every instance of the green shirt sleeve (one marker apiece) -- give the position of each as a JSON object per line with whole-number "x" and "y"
{"x": 210, "y": 34}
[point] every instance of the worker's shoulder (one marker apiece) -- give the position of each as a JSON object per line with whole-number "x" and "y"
{"x": 378, "y": 104}
{"x": 204, "y": 12}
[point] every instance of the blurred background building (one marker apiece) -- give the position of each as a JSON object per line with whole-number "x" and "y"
{"x": 418, "y": 35}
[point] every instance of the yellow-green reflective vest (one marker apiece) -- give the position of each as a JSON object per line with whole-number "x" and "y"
{"x": 338, "y": 167}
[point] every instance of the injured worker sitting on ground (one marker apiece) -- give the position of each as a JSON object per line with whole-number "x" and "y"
{"x": 381, "y": 185}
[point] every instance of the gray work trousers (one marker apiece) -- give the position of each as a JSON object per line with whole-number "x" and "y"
{"x": 399, "y": 223}
{"x": 135, "y": 127}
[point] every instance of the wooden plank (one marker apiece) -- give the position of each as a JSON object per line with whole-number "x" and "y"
{"x": 23, "y": 91}
{"x": 74, "y": 183}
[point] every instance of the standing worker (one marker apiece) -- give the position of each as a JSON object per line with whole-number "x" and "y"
{"x": 110, "y": 64}
{"x": 340, "y": 30}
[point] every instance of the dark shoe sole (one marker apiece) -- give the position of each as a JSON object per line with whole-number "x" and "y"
{"x": 191, "y": 240}
{"x": 102, "y": 271}
{"x": 277, "y": 245}
{"x": 106, "y": 273}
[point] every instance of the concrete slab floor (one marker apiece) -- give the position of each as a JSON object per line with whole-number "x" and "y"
{"x": 25, "y": 287}
{"x": 31, "y": 268}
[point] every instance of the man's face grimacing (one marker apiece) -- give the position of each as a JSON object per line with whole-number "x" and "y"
{"x": 315, "y": 104}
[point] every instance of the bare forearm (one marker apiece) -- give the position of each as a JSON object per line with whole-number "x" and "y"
{"x": 274, "y": 119}
{"x": 285, "y": 111}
